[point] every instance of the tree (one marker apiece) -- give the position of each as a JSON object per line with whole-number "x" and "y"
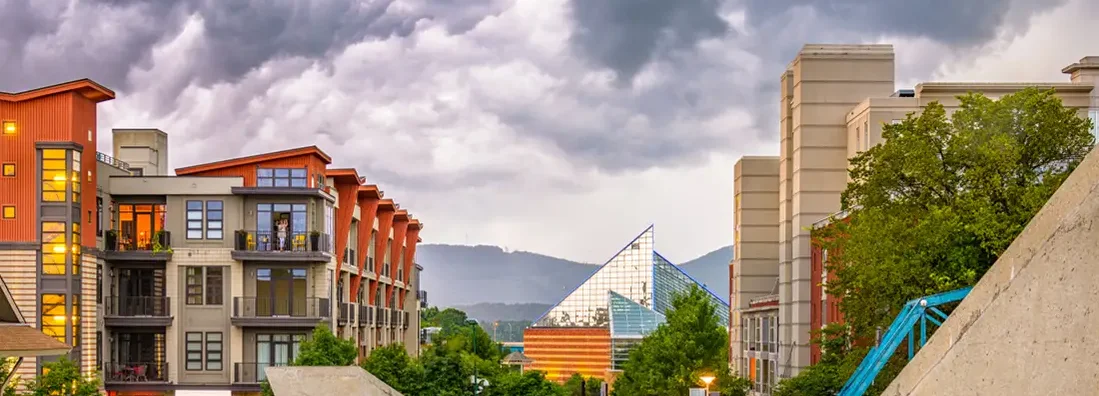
{"x": 590, "y": 385}
{"x": 392, "y": 365}
{"x": 63, "y": 378}
{"x": 935, "y": 205}
{"x": 323, "y": 349}
{"x": 530, "y": 383}
{"x": 689, "y": 344}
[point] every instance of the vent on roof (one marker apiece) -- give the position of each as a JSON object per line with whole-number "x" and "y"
{"x": 904, "y": 93}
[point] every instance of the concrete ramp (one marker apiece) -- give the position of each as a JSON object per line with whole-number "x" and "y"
{"x": 1031, "y": 325}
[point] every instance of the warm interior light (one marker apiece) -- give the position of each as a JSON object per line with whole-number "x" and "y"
{"x": 9, "y": 127}
{"x": 59, "y": 249}
{"x": 59, "y": 177}
{"x": 59, "y": 318}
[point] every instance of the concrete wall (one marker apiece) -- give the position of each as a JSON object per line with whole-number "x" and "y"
{"x": 754, "y": 269}
{"x": 145, "y": 149}
{"x": 1028, "y": 327}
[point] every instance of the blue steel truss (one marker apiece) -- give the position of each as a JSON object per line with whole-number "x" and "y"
{"x": 920, "y": 310}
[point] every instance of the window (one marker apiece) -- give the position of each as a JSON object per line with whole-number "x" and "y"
{"x": 54, "y": 246}
{"x": 99, "y": 216}
{"x": 194, "y": 351}
{"x": 9, "y": 212}
{"x": 1094, "y": 116}
{"x": 138, "y": 225}
{"x": 9, "y": 169}
{"x": 214, "y": 286}
{"x": 281, "y": 177}
{"x": 98, "y": 349}
{"x": 330, "y": 224}
{"x": 213, "y": 219}
{"x": 75, "y": 321}
{"x": 76, "y": 176}
{"x": 386, "y": 263}
{"x": 268, "y": 218}
{"x": 194, "y": 219}
{"x": 99, "y": 283}
{"x": 194, "y": 285}
{"x": 373, "y": 250}
{"x": 76, "y": 247}
{"x": 9, "y": 127}
{"x": 137, "y": 171}
{"x": 53, "y": 175}
{"x": 213, "y": 351}
{"x": 53, "y": 316}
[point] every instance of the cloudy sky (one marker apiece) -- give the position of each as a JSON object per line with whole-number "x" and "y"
{"x": 557, "y": 126}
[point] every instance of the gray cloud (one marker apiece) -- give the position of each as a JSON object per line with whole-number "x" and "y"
{"x": 625, "y": 35}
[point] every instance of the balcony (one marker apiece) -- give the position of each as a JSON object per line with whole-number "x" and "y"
{"x": 251, "y": 372}
{"x": 366, "y": 316}
{"x": 293, "y": 246}
{"x": 380, "y": 317}
{"x": 135, "y": 372}
{"x": 284, "y": 312}
{"x": 394, "y": 318}
{"x": 137, "y": 311}
{"x": 138, "y": 246}
{"x": 347, "y": 312}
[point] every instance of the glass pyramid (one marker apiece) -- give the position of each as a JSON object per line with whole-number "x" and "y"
{"x": 630, "y": 319}
{"x": 636, "y": 274}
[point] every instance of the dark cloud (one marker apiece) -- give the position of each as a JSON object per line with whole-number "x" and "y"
{"x": 625, "y": 35}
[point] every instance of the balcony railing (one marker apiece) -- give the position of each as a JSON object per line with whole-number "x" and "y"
{"x": 133, "y": 372}
{"x": 404, "y": 322}
{"x": 394, "y": 318}
{"x": 347, "y": 310}
{"x": 112, "y": 161}
{"x": 380, "y": 317}
{"x": 138, "y": 246}
{"x": 267, "y": 307}
{"x": 137, "y": 306}
{"x": 251, "y": 372}
{"x": 269, "y": 241}
{"x": 366, "y": 315}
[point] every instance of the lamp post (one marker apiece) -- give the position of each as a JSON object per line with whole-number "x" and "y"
{"x": 707, "y": 379}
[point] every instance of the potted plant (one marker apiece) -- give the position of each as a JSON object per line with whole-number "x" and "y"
{"x": 315, "y": 240}
{"x": 111, "y": 240}
{"x": 163, "y": 238}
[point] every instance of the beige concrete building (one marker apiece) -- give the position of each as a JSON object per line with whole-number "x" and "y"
{"x": 834, "y": 101}
{"x": 754, "y": 269}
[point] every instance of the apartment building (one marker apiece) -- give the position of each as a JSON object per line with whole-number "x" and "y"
{"x": 834, "y": 101}
{"x": 195, "y": 281}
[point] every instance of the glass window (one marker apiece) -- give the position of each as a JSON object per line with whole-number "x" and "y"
{"x": 9, "y": 212}
{"x": 373, "y": 249}
{"x": 213, "y": 351}
{"x": 99, "y": 216}
{"x": 76, "y": 248}
{"x": 213, "y": 219}
{"x": 9, "y": 127}
{"x": 194, "y": 351}
{"x": 194, "y": 285}
{"x": 138, "y": 225}
{"x": 76, "y": 320}
{"x": 194, "y": 219}
{"x": 54, "y": 247}
{"x": 214, "y": 285}
{"x": 9, "y": 170}
{"x": 330, "y": 224}
{"x": 1094, "y": 116}
{"x": 269, "y": 217}
{"x": 54, "y": 170}
{"x": 281, "y": 177}
{"x": 75, "y": 176}
{"x": 53, "y": 316}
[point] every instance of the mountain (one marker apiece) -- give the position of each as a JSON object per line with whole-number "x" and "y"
{"x": 491, "y": 312}
{"x": 457, "y": 275}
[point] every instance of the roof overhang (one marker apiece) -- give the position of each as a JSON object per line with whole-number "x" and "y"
{"x": 345, "y": 176}
{"x": 370, "y": 191}
{"x": 253, "y": 159}
{"x": 20, "y": 339}
{"x": 87, "y": 88}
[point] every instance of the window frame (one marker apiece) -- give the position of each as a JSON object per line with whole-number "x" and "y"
{"x": 188, "y": 343}
{"x": 187, "y": 285}
{"x": 209, "y": 220}
{"x": 64, "y": 173}
{"x": 4, "y": 212}
{"x": 4, "y": 128}
{"x": 209, "y": 353}
{"x": 200, "y": 221}
{"x": 214, "y": 285}
{"x": 8, "y": 165}
{"x": 270, "y": 177}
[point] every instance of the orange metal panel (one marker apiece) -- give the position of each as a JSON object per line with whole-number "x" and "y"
{"x": 561, "y": 352}
{"x": 368, "y": 207}
{"x": 349, "y": 190}
{"x": 83, "y": 127}
{"x": 385, "y": 223}
{"x": 312, "y": 164}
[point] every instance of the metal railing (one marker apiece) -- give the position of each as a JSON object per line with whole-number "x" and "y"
{"x": 366, "y": 315}
{"x": 381, "y": 318}
{"x": 135, "y": 372}
{"x": 149, "y": 241}
{"x": 138, "y": 306}
{"x": 112, "y": 161}
{"x": 271, "y": 241}
{"x": 347, "y": 310}
{"x": 251, "y": 372}
{"x": 267, "y": 307}
{"x": 394, "y": 318}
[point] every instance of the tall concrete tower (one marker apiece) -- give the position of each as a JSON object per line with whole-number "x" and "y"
{"x": 146, "y": 150}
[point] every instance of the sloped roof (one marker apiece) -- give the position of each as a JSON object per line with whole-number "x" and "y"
{"x": 85, "y": 87}
{"x": 252, "y": 159}
{"x": 20, "y": 339}
{"x": 517, "y": 358}
{"x": 326, "y": 380}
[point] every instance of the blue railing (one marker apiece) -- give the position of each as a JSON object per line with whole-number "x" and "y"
{"x": 920, "y": 310}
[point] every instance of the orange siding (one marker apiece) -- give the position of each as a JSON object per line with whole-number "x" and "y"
{"x": 44, "y": 119}
{"x": 411, "y": 238}
{"x": 562, "y": 352}
{"x": 385, "y": 223}
{"x": 400, "y": 226}
{"x": 344, "y": 214}
{"x": 368, "y": 209}
{"x": 312, "y": 163}
{"x": 83, "y": 122}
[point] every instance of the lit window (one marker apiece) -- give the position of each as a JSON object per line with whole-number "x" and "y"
{"x": 9, "y": 212}
{"x": 54, "y": 247}
{"x": 9, "y": 170}
{"x": 53, "y": 316}
{"x": 76, "y": 176}
{"x": 9, "y": 127}
{"x": 54, "y": 170}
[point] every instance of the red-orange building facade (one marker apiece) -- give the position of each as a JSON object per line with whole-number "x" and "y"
{"x": 825, "y": 308}
{"x": 561, "y": 352}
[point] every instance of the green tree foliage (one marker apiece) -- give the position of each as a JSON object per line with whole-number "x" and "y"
{"x": 63, "y": 378}
{"x": 689, "y": 344}
{"x": 590, "y": 385}
{"x": 322, "y": 349}
{"x": 935, "y": 205}
{"x": 459, "y": 351}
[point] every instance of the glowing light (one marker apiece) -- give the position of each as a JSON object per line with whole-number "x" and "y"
{"x": 59, "y": 249}
{"x": 59, "y": 318}
{"x": 59, "y": 177}
{"x": 9, "y": 127}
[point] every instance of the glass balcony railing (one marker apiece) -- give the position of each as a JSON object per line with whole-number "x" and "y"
{"x": 137, "y": 306}
{"x": 275, "y": 242}
{"x": 135, "y": 372}
{"x": 147, "y": 241}
{"x": 269, "y": 307}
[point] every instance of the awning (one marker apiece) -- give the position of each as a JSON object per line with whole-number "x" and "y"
{"x": 18, "y": 340}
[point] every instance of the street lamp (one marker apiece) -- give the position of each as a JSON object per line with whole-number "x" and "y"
{"x": 707, "y": 379}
